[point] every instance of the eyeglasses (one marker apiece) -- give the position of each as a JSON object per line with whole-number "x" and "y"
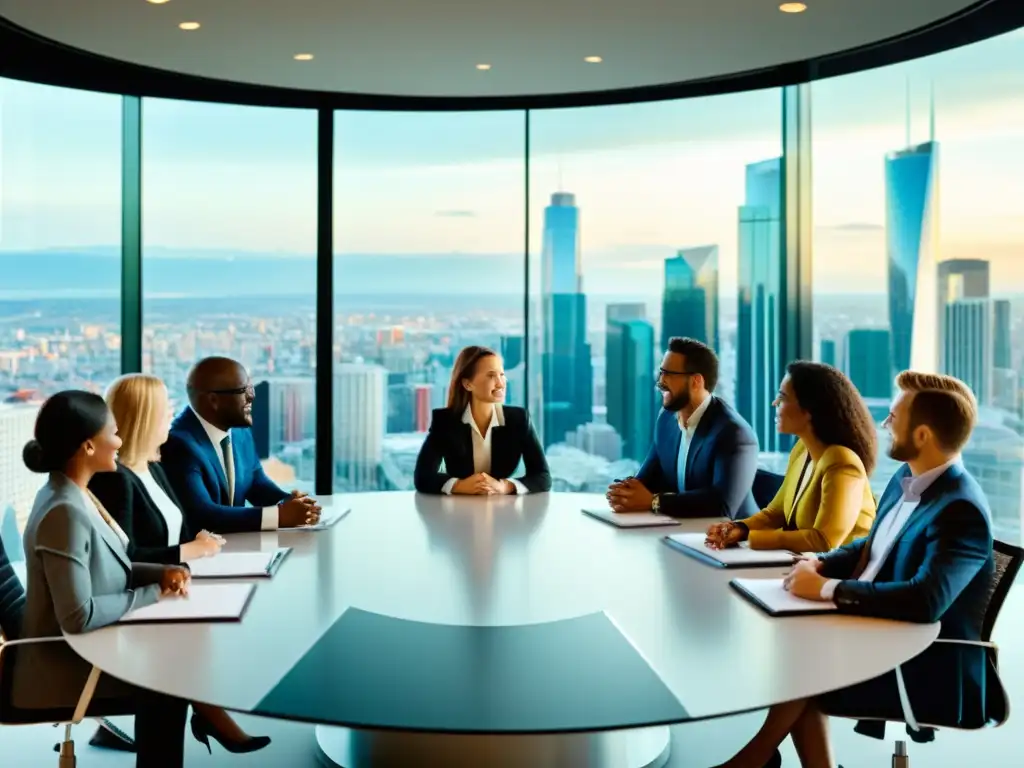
{"x": 248, "y": 390}
{"x": 666, "y": 372}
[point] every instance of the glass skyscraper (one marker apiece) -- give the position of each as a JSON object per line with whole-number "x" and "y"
{"x": 761, "y": 274}
{"x": 689, "y": 306}
{"x": 911, "y": 224}
{"x": 630, "y": 393}
{"x": 868, "y": 357}
{"x": 568, "y": 378}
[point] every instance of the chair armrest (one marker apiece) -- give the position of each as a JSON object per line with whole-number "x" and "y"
{"x": 90, "y": 684}
{"x": 978, "y": 643}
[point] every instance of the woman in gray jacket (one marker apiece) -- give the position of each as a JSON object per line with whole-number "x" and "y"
{"x": 80, "y": 579}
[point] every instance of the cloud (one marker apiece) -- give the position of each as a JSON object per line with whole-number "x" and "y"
{"x": 854, "y": 226}
{"x": 456, "y": 214}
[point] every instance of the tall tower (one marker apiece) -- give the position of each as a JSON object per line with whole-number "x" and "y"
{"x": 629, "y": 377}
{"x": 965, "y": 324}
{"x": 761, "y": 278}
{"x": 868, "y": 356}
{"x": 568, "y": 377}
{"x": 689, "y": 306}
{"x": 912, "y": 224}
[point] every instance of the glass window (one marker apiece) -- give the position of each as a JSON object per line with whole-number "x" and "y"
{"x": 639, "y": 215}
{"x": 229, "y": 241}
{"x": 918, "y": 178}
{"x": 60, "y": 269}
{"x": 428, "y": 238}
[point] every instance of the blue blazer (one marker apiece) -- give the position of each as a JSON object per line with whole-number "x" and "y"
{"x": 193, "y": 466}
{"x": 939, "y": 569}
{"x": 720, "y": 465}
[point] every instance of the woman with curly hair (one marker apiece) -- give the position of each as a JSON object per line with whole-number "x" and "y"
{"x": 825, "y": 500}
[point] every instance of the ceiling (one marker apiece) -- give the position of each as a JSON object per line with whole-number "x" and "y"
{"x": 432, "y": 47}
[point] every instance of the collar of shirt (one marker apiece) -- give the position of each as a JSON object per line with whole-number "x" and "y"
{"x": 915, "y": 485}
{"x": 497, "y": 419}
{"x": 214, "y": 433}
{"x": 689, "y": 426}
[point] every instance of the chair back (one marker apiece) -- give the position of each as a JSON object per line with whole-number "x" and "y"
{"x": 1008, "y": 560}
{"x": 12, "y": 598}
{"x": 766, "y": 485}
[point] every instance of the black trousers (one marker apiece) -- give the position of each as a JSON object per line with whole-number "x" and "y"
{"x": 159, "y": 730}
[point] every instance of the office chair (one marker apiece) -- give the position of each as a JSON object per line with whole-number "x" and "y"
{"x": 1008, "y": 560}
{"x": 766, "y": 485}
{"x": 12, "y": 608}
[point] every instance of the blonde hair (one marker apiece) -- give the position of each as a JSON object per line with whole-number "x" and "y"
{"x": 132, "y": 399}
{"x": 944, "y": 404}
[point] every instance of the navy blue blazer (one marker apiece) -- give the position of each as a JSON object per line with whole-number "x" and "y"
{"x": 939, "y": 569}
{"x": 193, "y": 466}
{"x": 720, "y": 465}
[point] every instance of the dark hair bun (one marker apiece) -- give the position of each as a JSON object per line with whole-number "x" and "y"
{"x": 35, "y": 457}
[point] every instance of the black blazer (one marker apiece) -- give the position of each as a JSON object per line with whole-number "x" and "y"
{"x": 450, "y": 440}
{"x": 129, "y": 503}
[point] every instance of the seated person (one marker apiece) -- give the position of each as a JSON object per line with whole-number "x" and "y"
{"x": 480, "y": 441}
{"x": 927, "y": 558}
{"x": 210, "y": 458}
{"x": 825, "y": 499}
{"x": 704, "y": 456}
{"x": 80, "y": 579}
{"x": 141, "y": 500}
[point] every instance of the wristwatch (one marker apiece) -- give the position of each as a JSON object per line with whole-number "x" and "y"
{"x": 656, "y": 503}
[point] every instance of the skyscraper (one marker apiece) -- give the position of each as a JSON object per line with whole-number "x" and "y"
{"x": 360, "y": 420}
{"x": 828, "y": 351}
{"x": 761, "y": 278}
{"x": 1002, "y": 341}
{"x": 967, "y": 345}
{"x": 689, "y": 305}
{"x": 868, "y": 361}
{"x": 911, "y": 224}
{"x": 568, "y": 378}
{"x": 629, "y": 388}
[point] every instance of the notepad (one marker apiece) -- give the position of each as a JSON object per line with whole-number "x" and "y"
{"x": 770, "y": 596}
{"x": 631, "y": 519}
{"x": 732, "y": 557}
{"x": 238, "y": 565}
{"x": 205, "y": 602}
{"x": 327, "y": 519}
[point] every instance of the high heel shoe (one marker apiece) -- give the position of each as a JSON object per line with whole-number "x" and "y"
{"x": 775, "y": 761}
{"x": 202, "y": 730}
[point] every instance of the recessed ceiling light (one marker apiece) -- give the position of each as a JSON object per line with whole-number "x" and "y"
{"x": 593, "y": 59}
{"x": 793, "y": 7}
{"x": 483, "y": 67}
{"x": 303, "y": 56}
{"x": 188, "y": 26}
{"x": 158, "y": 2}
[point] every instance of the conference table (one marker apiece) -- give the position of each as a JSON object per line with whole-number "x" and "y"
{"x": 498, "y": 631}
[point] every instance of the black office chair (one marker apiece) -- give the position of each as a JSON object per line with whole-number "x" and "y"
{"x": 1008, "y": 560}
{"x": 12, "y": 609}
{"x": 766, "y": 485}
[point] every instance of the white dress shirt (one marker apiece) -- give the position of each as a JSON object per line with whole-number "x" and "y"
{"x": 689, "y": 428}
{"x": 216, "y": 435}
{"x": 168, "y": 509}
{"x": 893, "y": 524}
{"x": 482, "y": 448}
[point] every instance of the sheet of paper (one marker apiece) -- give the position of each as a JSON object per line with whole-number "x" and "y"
{"x": 328, "y": 518}
{"x": 734, "y": 556}
{"x": 205, "y": 602}
{"x": 236, "y": 564}
{"x": 770, "y": 595}
{"x": 631, "y": 519}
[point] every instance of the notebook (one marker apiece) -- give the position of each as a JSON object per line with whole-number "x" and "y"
{"x": 236, "y": 565}
{"x": 328, "y": 518}
{"x": 770, "y": 596}
{"x": 734, "y": 557}
{"x": 205, "y": 602}
{"x": 631, "y": 519}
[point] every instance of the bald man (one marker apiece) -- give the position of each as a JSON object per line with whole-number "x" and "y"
{"x": 211, "y": 461}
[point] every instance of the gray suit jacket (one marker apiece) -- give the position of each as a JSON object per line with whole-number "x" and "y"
{"x": 79, "y": 579}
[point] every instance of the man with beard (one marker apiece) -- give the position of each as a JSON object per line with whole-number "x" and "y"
{"x": 704, "y": 456}
{"x": 928, "y": 558}
{"x": 211, "y": 461}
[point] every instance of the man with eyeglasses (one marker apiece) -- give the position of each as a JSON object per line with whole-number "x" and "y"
{"x": 211, "y": 460}
{"x": 704, "y": 456}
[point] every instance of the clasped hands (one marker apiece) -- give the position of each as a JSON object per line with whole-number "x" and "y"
{"x": 482, "y": 484}
{"x": 298, "y": 510}
{"x": 805, "y": 580}
{"x": 175, "y": 581}
{"x": 629, "y": 495}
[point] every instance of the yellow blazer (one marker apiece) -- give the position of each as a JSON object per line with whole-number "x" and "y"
{"x": 835, "y": 508}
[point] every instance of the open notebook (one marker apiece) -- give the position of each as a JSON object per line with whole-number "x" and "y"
{"x": 205, "y": 602}
{"x": 734, "y": 557}
{"x": 631, "y": 519}
{"x": 238, "y": 565}
{"x": 328, "y": 518}
{"x": 770, "y": 596}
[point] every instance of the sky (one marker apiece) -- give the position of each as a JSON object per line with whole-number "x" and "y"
{"x": 649, "y": 178}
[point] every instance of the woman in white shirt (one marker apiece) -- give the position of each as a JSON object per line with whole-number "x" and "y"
{"x": 152, "y": 527}
{"x": 480, "y": 441}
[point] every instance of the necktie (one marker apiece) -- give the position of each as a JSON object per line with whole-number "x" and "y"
{"x": 229, "y": 466}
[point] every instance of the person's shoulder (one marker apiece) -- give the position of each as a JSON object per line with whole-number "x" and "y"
{"x": 961, "y": 486}
{"x": 515, "y": 415}
{"x": 443, "y": 416}
{"x": 109, "y": 481}
{"x": 730, "y": 421}
{"x": 839, "y": 456}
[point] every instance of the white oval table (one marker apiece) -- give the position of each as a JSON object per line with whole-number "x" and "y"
{"x": 501, "y": 631}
